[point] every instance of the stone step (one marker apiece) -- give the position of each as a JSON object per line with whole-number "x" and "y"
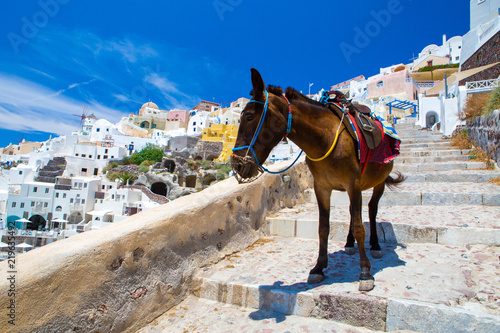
{"x": 423, "y": 139}
{"x": 454, "y": 176}
{"x": 438, "y": 166}
{"x": 419, "y": 153}
{"x": 427, "y": 193}
{"x": 429, "y": 145}
{"x": 459, "y": 226}
{"x": 403, "y": 132}
{"x": 431, "y": 159}
{"x": 202, "y": 315}
{"x": 418, "y": 287}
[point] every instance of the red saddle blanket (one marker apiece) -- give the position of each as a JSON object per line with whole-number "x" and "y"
{"x": 384, "y": 153}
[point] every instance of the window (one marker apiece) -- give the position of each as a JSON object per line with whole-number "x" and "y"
{"x": 46, "y": 190}
{"x": 153, "y": 126}
{"x": 105, "y": 151}
{"x": 20, "y": 172}
{"x": 85, "y": 185}
{"x": 380, "y": 83}
{"x": 32, "y": 204}
{"x": 90, "y": 156}
{"x": 83, "y": 201}
{"x": 76, "y": 154}
{"x": 84, "y": 155}
{"x": 57, "y": 194}
{"x": 13, "y": 205}
{"x": 84, "y": 170}
{"x": 97, "y": 129}
{"x": 22, "y": 205}
{"x": 429, "y": 63}
{"x": 58, "y": 208}
{"x": 457, "y": 58}
{"x": 105, "y": 157}
{"x": 45, "y": 204}
{"x": 98, "y": 157}
{"x": 64, "y": 195}
{"x": 35, "y": 189}
{"x": 65, "y": 216}
{"x": 71, "y": 200}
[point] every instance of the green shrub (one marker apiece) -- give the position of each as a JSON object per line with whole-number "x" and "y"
{"x": 127, "y": 176}
{"x": 205, "y": 165}
{"x": 431, "y": 68}
{"x": 148, "y": 153}
{"x": 125, "y": 160}
{"x": 143, "y": 168}
{"x": 110, "y": 166}
{"x": 493, "y": 102}
{"x": 220, "y": 175}
{"x": 113, "y": 176}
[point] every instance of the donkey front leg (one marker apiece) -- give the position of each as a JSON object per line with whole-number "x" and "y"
{"x": 378, "y": 191}
{"x": 323, "y": 197}
{"x": 366, "y": 280}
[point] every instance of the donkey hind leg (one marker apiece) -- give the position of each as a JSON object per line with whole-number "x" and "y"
{"x": 316, "y": 275}
{"x": 375, "y": 249}
{"x": 349, "y": 245}
{"x": 366, "y": 280}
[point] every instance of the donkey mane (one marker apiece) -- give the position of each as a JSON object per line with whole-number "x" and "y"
{"x": 293, "y": 94}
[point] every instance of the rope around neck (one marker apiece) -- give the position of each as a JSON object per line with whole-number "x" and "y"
{"x": 333, "y": 145}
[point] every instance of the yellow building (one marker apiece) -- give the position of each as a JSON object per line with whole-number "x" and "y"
{"x": 222, "y": 133}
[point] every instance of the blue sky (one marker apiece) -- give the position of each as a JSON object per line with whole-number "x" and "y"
{"x": 58, "y": 55}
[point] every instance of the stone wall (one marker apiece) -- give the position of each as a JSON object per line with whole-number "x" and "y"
{"x": 487, "y": 54}
{"x": 207, "y": 149}
{"x": 123, "y": 276}
{"x": 485, "y": 132}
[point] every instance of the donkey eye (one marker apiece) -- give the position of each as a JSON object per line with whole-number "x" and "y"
{"x": 250, "y": 117}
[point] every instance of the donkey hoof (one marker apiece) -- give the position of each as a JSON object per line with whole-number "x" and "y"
{"x": 366, "y": 285}
{"x": 376, "y": 254}
{"x": 350, "y": 250}
{"x": 314, "y": 278}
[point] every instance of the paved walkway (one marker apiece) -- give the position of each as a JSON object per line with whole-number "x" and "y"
{"x": 440, "y": 234}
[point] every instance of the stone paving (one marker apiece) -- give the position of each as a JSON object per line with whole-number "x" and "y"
{"x": 205, "y": 316}
{"x": 272, "y": 275}
{"x": 465, "y": 216}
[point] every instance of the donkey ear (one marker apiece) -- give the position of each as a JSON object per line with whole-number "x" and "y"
{"x": 257, "y": 83}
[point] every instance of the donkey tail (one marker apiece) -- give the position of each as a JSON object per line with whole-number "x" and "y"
{"x": 394, "y": 182}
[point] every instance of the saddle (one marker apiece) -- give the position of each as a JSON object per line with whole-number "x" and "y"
{"x": 366, "y": 123}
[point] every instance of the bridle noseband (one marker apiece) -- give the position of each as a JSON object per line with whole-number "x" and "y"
{"x": 249, "y": 148}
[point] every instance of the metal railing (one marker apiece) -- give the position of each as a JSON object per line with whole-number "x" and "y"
{"x": 426, "y": 84}
{"x": 483, "y": 85}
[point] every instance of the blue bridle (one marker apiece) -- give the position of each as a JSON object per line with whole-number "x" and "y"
{"x": 250, "y": 146}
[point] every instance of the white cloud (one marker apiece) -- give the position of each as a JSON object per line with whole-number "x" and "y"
{"x": 130, "y": 51}
{"x": 169, "y": 91}
{"x": 27, "y": 106}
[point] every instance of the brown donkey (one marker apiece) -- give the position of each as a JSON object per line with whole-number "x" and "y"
{"x": 264, "y": 123}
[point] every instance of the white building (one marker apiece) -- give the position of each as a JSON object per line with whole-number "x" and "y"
{"x": 198, "y": 122}
{"x": 485, "y": 23}
{"x": 448, "y": 53}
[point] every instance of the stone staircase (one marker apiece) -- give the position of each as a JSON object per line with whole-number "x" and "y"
{"x": 54, "y": 168}
{"x": 440, "y": 236}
